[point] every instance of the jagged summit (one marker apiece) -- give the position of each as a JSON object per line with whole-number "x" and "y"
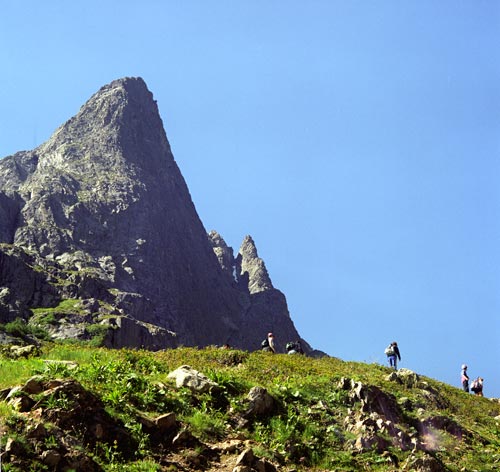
{"x": 105, "y": 215}
{"x": 251, "y": 263}
{"x": 121, "y": 121}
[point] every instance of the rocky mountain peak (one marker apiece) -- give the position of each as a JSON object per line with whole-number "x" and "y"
{"x": 119, "y": 123}
{"x": 108, "y": 222}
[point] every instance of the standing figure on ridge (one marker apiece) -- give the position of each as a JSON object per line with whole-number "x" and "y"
{"x": 268, "y": 343}
{"x": 393, "y": 354}
{"x": 465, "y": 378}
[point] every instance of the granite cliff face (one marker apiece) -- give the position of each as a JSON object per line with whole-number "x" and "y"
{"x": 97, "y": 228}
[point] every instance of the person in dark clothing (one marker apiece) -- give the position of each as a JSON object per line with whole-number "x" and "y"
{"x": 464, "y": 378}
{"x": 393, "y": 354}
{"x": 477, "y": 387}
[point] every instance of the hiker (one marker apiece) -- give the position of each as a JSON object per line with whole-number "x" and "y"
{"x": 291, "y": 348}
{"x": 393, "y": 354}
{"x": 465, "y": 378}
{"x": 298, "y": 347}
{"x": 477, "y": 386}
{"x": 268, "y": 343}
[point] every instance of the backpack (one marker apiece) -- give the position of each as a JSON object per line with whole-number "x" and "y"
{"x": 264, "y": 343}
{"x": 475, "y": 385}
{"x": 290, "y": 345}
{"x": 389, "y": 350}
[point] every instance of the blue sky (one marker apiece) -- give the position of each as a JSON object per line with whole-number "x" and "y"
{"x": 357, "y": 142}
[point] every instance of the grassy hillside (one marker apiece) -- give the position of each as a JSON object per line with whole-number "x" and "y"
{"x": 108, "y": 410}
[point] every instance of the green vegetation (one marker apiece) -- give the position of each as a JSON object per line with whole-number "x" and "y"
{"x": 20, "y": 329}
{"x": 65, "y": 307}
{"x": 308, "y": 429}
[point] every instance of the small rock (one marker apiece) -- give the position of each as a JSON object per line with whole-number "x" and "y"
{"x": 229, "y": 447}
{"x": 261, "y": 403}
{"x": 13, "y": 392}
{"x": 242, "y": 468}
{"x": 182, "y": 438}
{"x": 166, "y": 421}
{"x": 263, "y": 465}
{"x": 51, "y": 458}
{"x": 14, "y": 447}
{"x": 4, "y": 393}
{"x": 33, "y": 385}
{"x": 22, "y": 351}
{"x": 245, "y": 458}
{"x": 36, "y": 431}
{"x": 54, "y": 383}
{"x": 22, "y": 404}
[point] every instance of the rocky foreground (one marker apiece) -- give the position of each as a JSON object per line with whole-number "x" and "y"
{"x": 216, "y": 409}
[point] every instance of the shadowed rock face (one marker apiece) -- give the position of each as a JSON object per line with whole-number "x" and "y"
{"x": 104, "y": 209}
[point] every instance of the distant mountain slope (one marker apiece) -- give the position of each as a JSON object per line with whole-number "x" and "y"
{"x": 101, "y": 215}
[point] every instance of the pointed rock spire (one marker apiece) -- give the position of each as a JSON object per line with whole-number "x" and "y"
{"x": 251, "y": 263}
{"x": 224, "y": 253}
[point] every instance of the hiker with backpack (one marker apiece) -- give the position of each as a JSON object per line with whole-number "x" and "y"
{"x": 465, "y": 378}
{"x": 268, "y": 343}
{"x": 393, "y": 354}
{"x": 291, "y": 348}
{"x": 477, "y": 386}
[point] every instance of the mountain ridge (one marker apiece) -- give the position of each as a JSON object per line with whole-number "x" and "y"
{"x": 105, "y": 214}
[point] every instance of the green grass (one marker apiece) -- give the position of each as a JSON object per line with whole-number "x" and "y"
{"x": 67, "y": 306}
{"x": 307, "y": 428}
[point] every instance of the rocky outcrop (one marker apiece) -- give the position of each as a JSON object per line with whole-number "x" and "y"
{"x": 102, "y": 212}
{"x": 252, "y": 268}
{"x": 22, "y": 284}
{"x": 64, "y": 420}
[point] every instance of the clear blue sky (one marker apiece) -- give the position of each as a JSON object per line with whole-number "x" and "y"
{"x": 357, "y": 142}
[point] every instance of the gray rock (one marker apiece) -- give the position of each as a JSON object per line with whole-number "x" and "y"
{"x": 245, "y": 458}
{"x": 186, "y": 376}
{"x": 260, "y": 402}
{"x": 406, "y": 377}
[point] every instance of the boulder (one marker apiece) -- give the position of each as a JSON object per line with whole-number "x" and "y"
{"x": 405, "y": 377}
{"x": 185, "y": 376}
{"x": 22, "y": 351}
{"x": 375, "y": 400}
{"x": 260, "y": 402}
